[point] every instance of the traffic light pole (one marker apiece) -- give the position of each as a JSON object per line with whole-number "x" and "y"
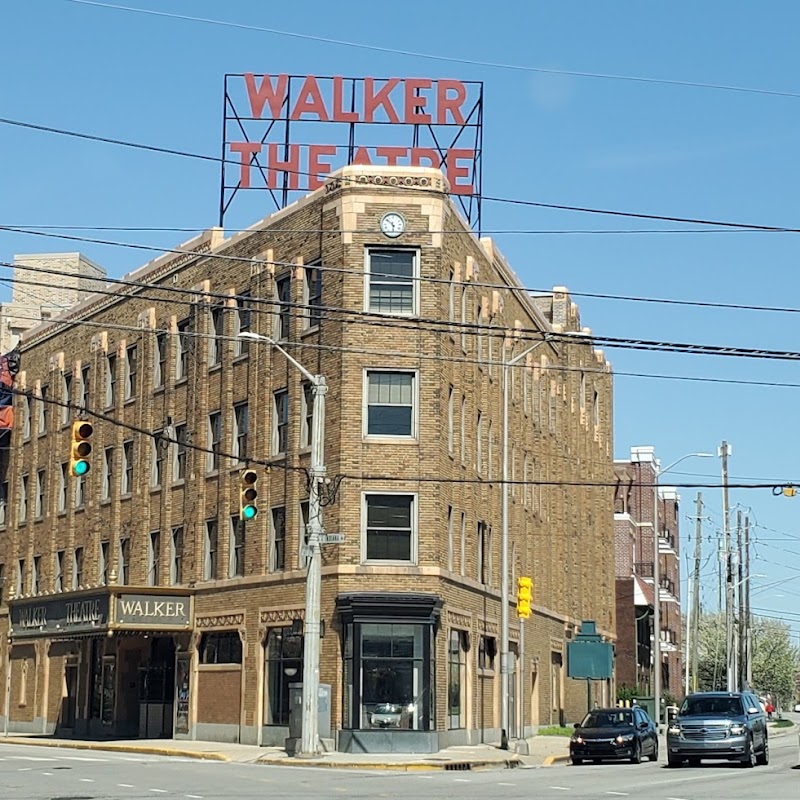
{"x": 309, "y": 743}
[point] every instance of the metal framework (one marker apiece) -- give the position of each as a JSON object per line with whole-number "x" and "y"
{"x": 286, "y": 134}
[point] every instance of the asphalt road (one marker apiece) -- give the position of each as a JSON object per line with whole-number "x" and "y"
{"x": 38, "y": 773}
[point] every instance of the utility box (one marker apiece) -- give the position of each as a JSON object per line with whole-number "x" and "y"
{"x": 296, "y": 715}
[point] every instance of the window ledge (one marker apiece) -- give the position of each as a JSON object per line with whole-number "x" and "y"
{"x": 129, "y": 401}
{"x": 126, "y": 496}
{"x": 213, "y": 474}
{"x": 182, "y": 380}
{"x": 106, "y": 501}
{"x": 400, "y": 439}
{"x": 216, "y": 367}
{"x": 155, "y": 489}
{"x": 309, "y": 330}
{"x": 178, "y": 482}
{"x": 373, "y": 562}
{"x": 240, "y": 358}
{"x": 159, "y": 389}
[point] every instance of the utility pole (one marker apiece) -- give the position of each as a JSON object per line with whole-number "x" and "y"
{"x": 724, "y": 452}
{"x": 698, "y": 543}
{"x": 748, "y": 655}
{"x": 740, "y": 678}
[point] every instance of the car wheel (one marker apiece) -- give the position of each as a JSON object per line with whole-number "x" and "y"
{"x": 749, "y": 759}
{"x": 576, "y": 762}
{"x": 763, "y": 757}
{"x": 674, "y": 762}
{"x": 654, "y": 754}
{"x": 636, "y": 758}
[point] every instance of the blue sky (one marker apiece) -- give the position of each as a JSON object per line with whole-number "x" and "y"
{"x": 643, "y": 147}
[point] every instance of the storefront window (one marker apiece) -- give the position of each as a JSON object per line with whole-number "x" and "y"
{"x": 284, "y": 654}
{"x": 97, "y": 679}
{"x": 456, "y": 679}
{"x": 221, "y": 648}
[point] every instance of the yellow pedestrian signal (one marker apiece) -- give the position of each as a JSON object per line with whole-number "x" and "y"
{"x": 80, "y": 448}
{"x": 524, "y": 597}
{"x": 248, "y": 493}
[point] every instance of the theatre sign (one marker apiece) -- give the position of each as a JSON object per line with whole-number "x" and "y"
{"x": 282, "y": 134}
{"x": 99, "y": 611}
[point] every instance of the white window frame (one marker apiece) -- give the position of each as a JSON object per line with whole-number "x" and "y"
{"x": 490, "y": 451}
{"x": 463, "y": 544}
{"x": 414, "y": 280}
{"x": 450, "y": 542}
{"x": 479, "y": 444}
{"x": 153, "y": 559}
{"x": 26, "y": 417}
{"x": 310, "y": 311}
{"x": 463, "y": 431}
{"x": 66, "y": 396}
{"x": 126, "y": 484}
{"x": 414, "y": 548}
{"x": 216, "y": 338}
{"x": 306, "y": 413}
{"x": 159, "y": 373}
{"x": 214, "y": 446}
{"x": 414, "y": 435}
{"x": 283, "y": 307}
{"x": 111, "y": 380}
{"x": 450, "y": 422}
{"x": 108, "y": 471}
{"x": 40, "y": 501}
{"x": 131, "y": 375}
{"x": 23, "y": 498}
{"x": 275, "y": 432}
{"x": 236, "y": 432}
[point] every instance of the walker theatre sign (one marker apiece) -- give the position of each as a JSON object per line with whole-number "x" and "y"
{"x": 284, "y": 133}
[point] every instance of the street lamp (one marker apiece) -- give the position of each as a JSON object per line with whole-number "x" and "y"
{"x": 656, "y": 582}
{"x": 504, "y": 588}
{"x": 309, "y": 742}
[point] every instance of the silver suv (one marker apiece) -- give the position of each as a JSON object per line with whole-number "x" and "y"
{"x": 719, "y": 725}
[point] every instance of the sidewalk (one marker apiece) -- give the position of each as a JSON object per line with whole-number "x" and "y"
{"x": 542, "y": 750}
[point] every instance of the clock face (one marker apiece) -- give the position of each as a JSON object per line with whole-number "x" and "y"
{"x": 392, "y": 225}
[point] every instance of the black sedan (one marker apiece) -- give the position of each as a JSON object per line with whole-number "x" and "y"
{"x": 620, "y": 733}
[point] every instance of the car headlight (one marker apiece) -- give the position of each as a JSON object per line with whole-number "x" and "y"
{"x": 737, "y": 730}
{"x": 622, "y": 739}
{"x": 675, "y": 730}
{"x": 577, "y": 739}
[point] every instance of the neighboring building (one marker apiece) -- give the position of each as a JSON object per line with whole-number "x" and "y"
{"x": 635, "y": 597}
{"x": 140, "y": 604}
{"x": 45, "y": 285}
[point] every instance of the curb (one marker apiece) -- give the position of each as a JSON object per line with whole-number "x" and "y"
{"x": 783, "y": 731}
{"x": 453, "y": 766}
{"x": 115, "y": 748}
{"x": 550, "y": 760}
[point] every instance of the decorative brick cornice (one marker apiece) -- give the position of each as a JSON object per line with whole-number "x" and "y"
{"x": 378, "y": 179}
{"x": 459, "y": 619}
{"x": 490, "y": 627}
{"x": 271, "y": 616}
{"x": 220, "y": 621}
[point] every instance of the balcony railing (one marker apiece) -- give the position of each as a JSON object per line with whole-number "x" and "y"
{"x": 644, "y": 569}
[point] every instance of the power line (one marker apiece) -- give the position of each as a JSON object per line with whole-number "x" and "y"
{"x": 438, "y": 57}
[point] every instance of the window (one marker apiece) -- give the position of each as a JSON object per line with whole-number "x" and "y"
{"x": 490, "y": 453}
{"x": 20, "y": 587}
{"x": 210, "y": 551}
{"x": 303, "y": 533}
{"x": 157, "y": 447}
{"x": 312, "y": 295}
{"x": 390, "y": 525}
{"x": 244, "y": 321}
{"x": 108, "y": 473}
{"x": 66, "y": 396}
{"x": 214, "y": 441}
{"x": 307, "y": 418}
{"x": 596, "y": 408}
{"x": 479, "y": 444}
{"x": 124, "y": 561}
{"x": 463, "y": 544}
{"x": 36, "y": 572}
{"x": 58, "y": 571}
{"x": 160, "y": 361}
{"x": 451, "y": 297}
{"x": 464, "y": 318}
{"x": 487, "y": 650}
{"x": 390, "y": 403}
{"x": 77, "y": 568}
{"x": 26, "y": 417}
{"x": 39, "y": 505}
{"x": 131, "y": 364}
{"x": 221, "y": 648}
{"x": 490, "y": 348}
{"x": 484, "y": 553}
{"x": 153, "y": 558}
{"x": 582, "y": 392}
{"x": 278, "y": 539}
{"x": 463, "y": 421}
{"x": 80, "y": 491}
{"x": 392, "y": 285}
{"x": 183, "y": 345}
{"x": 513, "y": 460}
{"x": 127, "y": 468}
{"x": 525, "y": 485}
{"x": 283, "y": 298}
{"x": 111, "y": 380}
{"x": 3, "y": 502}
{"x": 284, "y": 657}
{"x": 85, "y": 387}
{"x": 280, "y": 421}
{"x": 236, "y": 550}
{"x": 23, "y": 498}
{"x": 42, "y": 411}
{"x": 456, "y": 679}
{"x": 450, "y": 538}
{"x": 479, "y": 334}
{"x": 179, "y": 453}
{"x": 176, "y": 556}
{"x": 216, "y": 342}
{"x": 241, "y": 427}
{"x": 450, "y": 411}
{"x": 102, "y": 564}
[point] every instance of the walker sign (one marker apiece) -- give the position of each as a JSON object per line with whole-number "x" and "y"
{"x": 282, "y": 134}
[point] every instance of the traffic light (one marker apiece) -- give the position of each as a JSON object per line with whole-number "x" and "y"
{"x": 248, "y": 494}
{"x": 80, "y": 448}
{"x": 524, "y": 597}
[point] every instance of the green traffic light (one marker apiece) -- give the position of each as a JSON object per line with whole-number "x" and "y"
{"x": 249, "y": 512}
{"x": 80, "y": 468}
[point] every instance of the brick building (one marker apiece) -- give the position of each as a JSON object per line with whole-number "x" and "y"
{"x": 635, "y": 596}
{"x": 136, "y": 601}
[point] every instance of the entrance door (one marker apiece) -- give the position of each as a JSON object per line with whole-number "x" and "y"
{"x": 556, "y": 688}
{"x": 70, "y": 697}
{"x": 157, "y": 690}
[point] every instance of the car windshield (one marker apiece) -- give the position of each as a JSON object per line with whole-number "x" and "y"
{"x": 711, "y": 707}
{"x": 607, "y": 719}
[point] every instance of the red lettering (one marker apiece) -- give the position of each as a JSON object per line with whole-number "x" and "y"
{"x": 391, "y": 154}
{"x": 374, "y": 100}
{"x": 415, "y": 101}
{"x": 454, "y": 171}
{"x": 339, "y": 114}
{"x": 247, "y": 150}
{"x": 317, "y": 167}
{"x": 418, "y": 153}
{"x": 266, "y": 93}
{"x": 362, "y": 157}
{"x": 451, "y": 104}
{"x": 310, "y": 101}
{"x": 276, "y": 165}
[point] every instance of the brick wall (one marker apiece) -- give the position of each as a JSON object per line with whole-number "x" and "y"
{"x": 218, "y": 693}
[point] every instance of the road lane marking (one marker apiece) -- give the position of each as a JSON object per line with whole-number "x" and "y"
{"x": 82, "y": 758}
{"x": 125, "y": 785}
{"x": 506, "y": 784}
{"x": 621, "y": 794}
{"x": 462, "y": 780}
{"x": 195, "y": 796}
{"x": 160, "y": 791}
{"x": 47, "y": 773}
{"x": 24, "y": 769}
{"x": 31, "y": 758}
{"x": 562, "y": 788}
{"x": 87, "y": 780}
